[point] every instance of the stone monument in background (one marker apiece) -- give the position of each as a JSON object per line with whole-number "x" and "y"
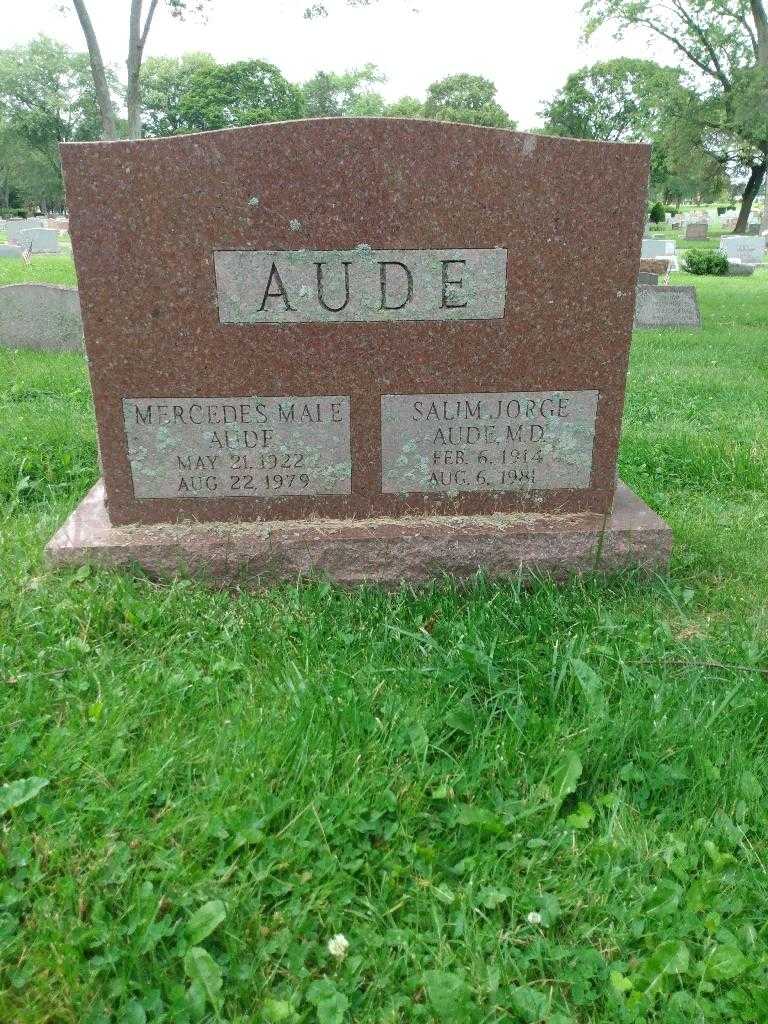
{"x": 359, "y": 348}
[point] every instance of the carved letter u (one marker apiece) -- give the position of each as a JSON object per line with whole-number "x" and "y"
{"x": 323, "y": 303}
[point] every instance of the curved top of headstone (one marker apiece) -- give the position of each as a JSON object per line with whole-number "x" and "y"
{"x": 173, "y": 238}
{"x": 35, "y": 288}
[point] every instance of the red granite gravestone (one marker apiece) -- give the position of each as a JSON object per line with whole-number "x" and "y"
{"x": 350, "y": 319}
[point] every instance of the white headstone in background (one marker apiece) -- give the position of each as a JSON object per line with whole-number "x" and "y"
{"x": 671, "y": 254}
{"x": 14, "y": 227}
{"x": 39, "y": 240}
{"x": 747, "y": 248}
{"x": 660, "y": 249}
{"x": 653, "y": 249}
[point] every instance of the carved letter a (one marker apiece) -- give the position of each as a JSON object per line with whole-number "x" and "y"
{"x": 279, "y": 294}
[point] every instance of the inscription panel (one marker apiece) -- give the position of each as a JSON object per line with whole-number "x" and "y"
{"x": 518, "y": 441}
{"x": 238, "y": 447}
{"x": 361, "y": 285}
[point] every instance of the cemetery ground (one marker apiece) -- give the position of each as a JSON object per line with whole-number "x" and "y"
{"x": 516, "y": 804}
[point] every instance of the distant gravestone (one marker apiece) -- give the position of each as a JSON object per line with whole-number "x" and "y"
{"x": 13, "y": 228}
{"x": 40, "y": 240}
{"x": 738, "y": 269}
{"x": 660, "y": 266}
{"x": 660, "y": 249}
{"x": 344, "y": 365}
{"x": 698, "y": 232}
{"x": 666, "y": 307}
{"x": 645, "y": 277}
{"x": 40, "y": 316}
{"x": 753, "y": 228}
{"x": 653, "y": 249}
{"x": 12, "y": 252}
{"x": 747, "y": 248}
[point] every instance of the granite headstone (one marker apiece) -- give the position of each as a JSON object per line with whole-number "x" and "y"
{"x": 39, "y": 240}
{"x": 738, "y": 269}
{"x": 747, "y": 248}
{"x": 697, "y": 232}
{"x": 321, "y": 322}
{"x": 666, "y": 306}
{"x": 40, "y": 316}
{"x": 659, "y": 266}
{"x": 13, "y": 228}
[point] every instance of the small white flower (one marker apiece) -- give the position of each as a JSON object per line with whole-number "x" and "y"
{"x": 338, "y": 946}
{"x": 533, "y": 918}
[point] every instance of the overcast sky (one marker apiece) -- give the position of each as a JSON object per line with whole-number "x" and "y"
{"x": 527, "y": 49}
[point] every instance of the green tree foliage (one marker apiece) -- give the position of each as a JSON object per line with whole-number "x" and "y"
{"x": 26, "y": 177}
{"x": 229, "y": 95}
{"x": 470, "y": 99}
{"x": 46, "y": 97}
{"x": 724, "y": 47}
{"x": 406, "y": 106}
{"x": 351, "y": 94}
{"x": 627, "y": 100}
{"x": 616, "y": 101}
{"x": 165, "y": 81}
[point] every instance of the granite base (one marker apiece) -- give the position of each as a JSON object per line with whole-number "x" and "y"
{"x": 385, "y": 551}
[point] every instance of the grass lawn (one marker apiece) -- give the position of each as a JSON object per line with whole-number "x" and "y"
{"x": 543, "y": 805}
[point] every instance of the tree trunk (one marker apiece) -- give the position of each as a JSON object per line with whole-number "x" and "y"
{"x": 104, "y": 100}
{"x": 133, "y": 92}
{"x": 137, "y": 37}
{"x": 756, "y": 175}
{"x": 761, "y": 24}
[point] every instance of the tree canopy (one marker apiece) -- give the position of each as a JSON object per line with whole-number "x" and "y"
{"x": 618, "y": 100}
{"x": 470, "y": 99}
{"x": 193, "y": 93}
{"x": 165, "y": 82}
{"x": 628, "y": 100}
{"x": 229, "y": 95}
{"x": 331, "y": 95}
{"x": 46, "y": 97}
{"x": 723, "y": 45}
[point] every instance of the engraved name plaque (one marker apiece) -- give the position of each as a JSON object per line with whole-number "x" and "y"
{"x": 238, "y": 447}
{"x": 361, "y": 285}
{"x": 518, "y": 441}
